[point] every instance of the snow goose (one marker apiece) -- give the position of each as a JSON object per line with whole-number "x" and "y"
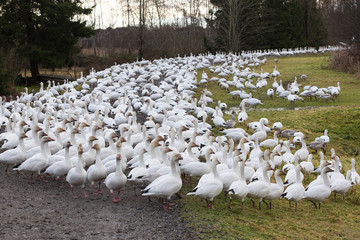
{"x": 260, "y": 134}
{"x": 276, "y": 189}
{"x": 325, "y": 137}
{"x": 291, "y": 176}
{"x": 15, "y": 156}
{"x": 318, "y": 193}
{"x": 97, "y": 171}
{"x": 197, "y": 168}
{"x": 355, "y": 178}
{"x": 288, "y": 133}
{"x": 61, "y": 168}
{"x": 77, "y": 175}
{"x": 270, "y": 93}
{"x": 89, "y": 156}
{"x": 167, "y": 185}
{"x": 303, "y": 152}
{"x": 336, "y": 174}
{"x": 308, "y": 166}
{"x": 111, "y": 149}
{"x": 159, "y": 169}
{"x": 270, "y": 143}
{"x": 231, "y": 122}
{"x": 317, "y": 145}
{"x": 11, "y": 138}
{"x": 38, "y": 162}
{"x": 137, "y": 174}
{"x": 341, "y": 185}
{"x": 243, "y": 116}
{"x": 296, "y": 191}
{"x": 229, "y": 176}
{"x": 239, "y": 187}
{"x": 260, "y": 189}
{"x": 209, "y": 185}
{"x": 287, "y": 156}
{"x": 116, "y": 180}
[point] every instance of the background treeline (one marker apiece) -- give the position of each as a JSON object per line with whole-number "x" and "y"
{"x": 40, "y": 34}
{"x": 230, "y": 25}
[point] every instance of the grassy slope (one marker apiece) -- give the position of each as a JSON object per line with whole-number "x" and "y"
{"x": 336, "y": 219}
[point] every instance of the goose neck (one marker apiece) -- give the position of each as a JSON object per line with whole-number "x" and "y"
{"x": 141, "y": 160}
{"x": 266, "y": 176}
{"x": 79, "y": 164}
{"x": 325, "y": 178}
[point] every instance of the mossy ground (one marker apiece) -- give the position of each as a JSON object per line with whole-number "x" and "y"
{"x": 336, "y": 219}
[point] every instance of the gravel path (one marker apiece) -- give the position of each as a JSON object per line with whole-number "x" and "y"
{"x": 43, "y": 211}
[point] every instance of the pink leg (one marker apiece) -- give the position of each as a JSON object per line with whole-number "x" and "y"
{"x": 94, "y": 191}
{"x": 115, "y": 200}
{"x": 73, "y": 194}
{"x": 85, "y": 195}
{"x": 31, "y": 178}
{"x": 41, "y": 178}
{"x": 58, "y": 183}
{"x": 7, "y": 167}
{"x": 99, "y": 190}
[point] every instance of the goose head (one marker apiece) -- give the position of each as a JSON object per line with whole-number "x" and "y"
{"x": 68, "y": 144}
{"x": 122, "y": 139}
{"x": 23, "y": 135}
{"x": 167, "y": 149}
{"x": 92, "y": 139}
{"x": 96, "y": 147}
{"x": 60, "y": 130}
{"x": 47, "y": 139}
{"x": 80, "y": 149}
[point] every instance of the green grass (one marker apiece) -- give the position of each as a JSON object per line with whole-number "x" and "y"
{"x": 336, "y": 219}
{"x": 33, "y": 87}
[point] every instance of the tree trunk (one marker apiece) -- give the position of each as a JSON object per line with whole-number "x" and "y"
{"x": 34, "y": 70}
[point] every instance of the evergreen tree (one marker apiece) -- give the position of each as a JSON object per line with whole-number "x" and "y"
{"x": 43, "y": 31}
{"x": 264, "y": 24}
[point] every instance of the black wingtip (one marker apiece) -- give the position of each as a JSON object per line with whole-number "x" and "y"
{"x": 194, "y": 190}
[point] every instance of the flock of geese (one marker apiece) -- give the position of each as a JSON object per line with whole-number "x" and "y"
{"x": 140, "y": 124}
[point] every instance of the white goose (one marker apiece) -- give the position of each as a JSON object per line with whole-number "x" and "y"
{"x": 167, "y": 185}
{"x": 355, "y": 178}
{"x": 239, "y": 188}
{"x": 137, "y": 174}
{"x": 229, "y": 176}
{"x": 276, "y": 189}
{"x": 61, "y": 168}
{"x": 291, "y": 176}
{"x": 77, "y": 175}
{"x": 325, "y": 137}
{"x": 295, "y": 192}
{"x": 197, "y": 168}
{"x": 243, "y": 116}
{"x": 38, "y": 162}
{"x": 308, "y": 166}
{"x": 318, "y": 193}
{"x": 15, "y": 156}
{"x": 342, "y": 185}
{"x": 97, "y": 171}
{"x": 209, "y": 185}
{"x": 303, "y": 152}
{"x": 260, "y": 188}
{"x": 270, "y": 143}
{"x": 116, "y": 180}
{"x": 287, "y": 156}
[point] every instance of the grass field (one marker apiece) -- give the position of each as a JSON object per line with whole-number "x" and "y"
{"x": 336, "y": 219}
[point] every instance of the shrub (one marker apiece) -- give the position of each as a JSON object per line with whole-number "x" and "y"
{"x": 347, "y": 61}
